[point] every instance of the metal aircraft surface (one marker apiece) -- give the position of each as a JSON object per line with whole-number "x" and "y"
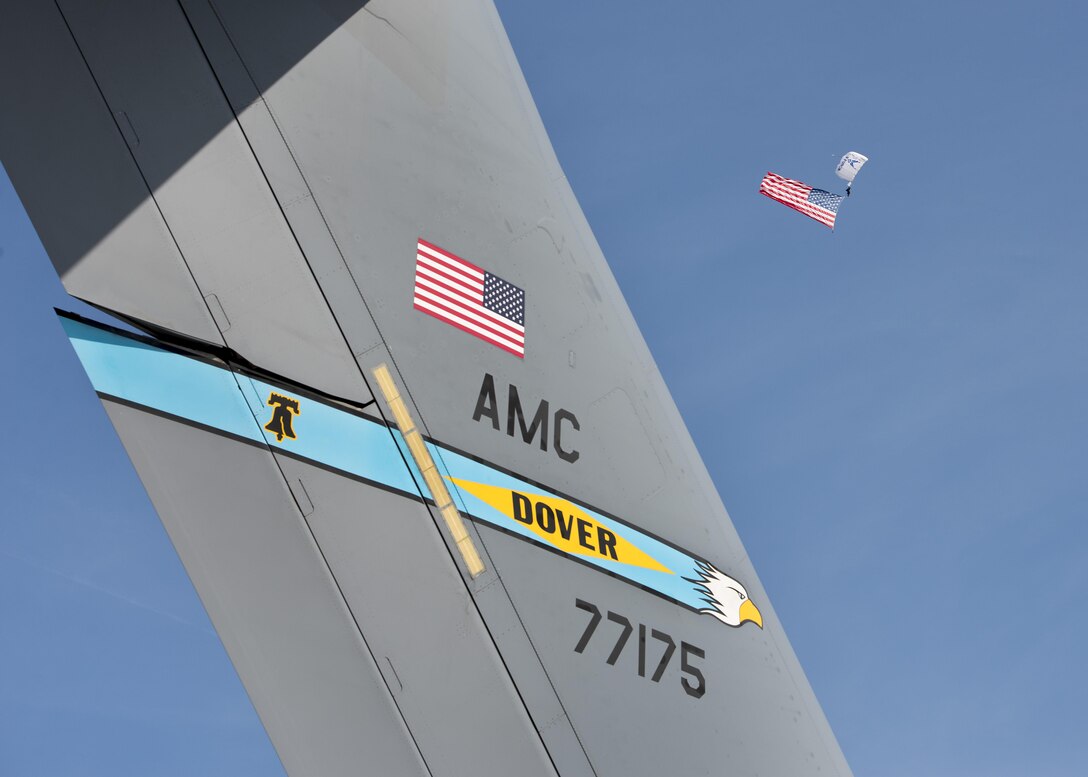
{"x": 390, "y": 404}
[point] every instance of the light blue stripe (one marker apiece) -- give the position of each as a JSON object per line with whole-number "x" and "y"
{"x": 336, "y": 438}
{"x": 143, "y": 374}
{"x": 134, "y": 371}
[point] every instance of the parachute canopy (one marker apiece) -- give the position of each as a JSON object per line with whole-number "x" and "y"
{"x": 849, "y": 165}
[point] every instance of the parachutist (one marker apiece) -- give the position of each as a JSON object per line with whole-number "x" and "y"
{"x": 849, "y": 166}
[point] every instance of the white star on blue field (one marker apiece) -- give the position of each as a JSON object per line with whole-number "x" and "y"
{"x": 504, "y": 298}
{"x": 895, "y": 413}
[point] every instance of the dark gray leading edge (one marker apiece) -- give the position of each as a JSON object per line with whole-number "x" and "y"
{"x": 254, "y": 176}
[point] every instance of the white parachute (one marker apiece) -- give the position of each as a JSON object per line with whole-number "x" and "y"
{"x": 848, "y": 167}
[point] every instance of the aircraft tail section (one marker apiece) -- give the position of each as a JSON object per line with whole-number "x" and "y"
{"x": 400, "y": 423}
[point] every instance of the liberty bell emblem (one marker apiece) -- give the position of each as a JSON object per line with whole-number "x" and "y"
{"x": 284, "y": 409}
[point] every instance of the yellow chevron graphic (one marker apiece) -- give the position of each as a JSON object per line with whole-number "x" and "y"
{"x": 561, "y": 524}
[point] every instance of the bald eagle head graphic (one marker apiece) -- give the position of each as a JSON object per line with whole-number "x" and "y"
{"x": 727, "y": 599}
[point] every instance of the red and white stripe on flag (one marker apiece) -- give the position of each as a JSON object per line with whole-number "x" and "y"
{"x": 452, "y": 290}
{"x": 796, "y": 195}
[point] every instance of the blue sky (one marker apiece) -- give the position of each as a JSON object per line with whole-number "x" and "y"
{"x": 894, "y": 413}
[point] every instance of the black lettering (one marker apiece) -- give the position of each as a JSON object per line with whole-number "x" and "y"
{"x": 642, "y": 650}
{"x": 583, "y": 534}
{"x": 698, "y": 688}
{"x": 540, "y": 420}
{"x": 487, "y": 404}
{"x": 591, "y": 626}
{"x": 523, "y": 508}
{"x": 692, "y": 680}
{"x": 615, "y": 617}
{"x": 670, "y": 648}
{"x": 562, "y": 415}
{"x": 606, "y": 541}
{"x": 545, "y": 518}
{"x": 565, "y": 527}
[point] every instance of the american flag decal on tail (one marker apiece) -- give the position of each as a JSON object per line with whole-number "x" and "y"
{"x": 469, "y": 298}
{"x": 814, "y": 203}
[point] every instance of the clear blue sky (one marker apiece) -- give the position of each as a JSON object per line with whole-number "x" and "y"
{"x": 894, "y": 414}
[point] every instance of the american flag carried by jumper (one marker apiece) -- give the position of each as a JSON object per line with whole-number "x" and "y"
{"x": 814, "y": 203}
{"x": 469, "y": 298}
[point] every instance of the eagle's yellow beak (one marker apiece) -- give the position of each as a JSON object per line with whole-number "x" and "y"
{"x": 749, "y": 612}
